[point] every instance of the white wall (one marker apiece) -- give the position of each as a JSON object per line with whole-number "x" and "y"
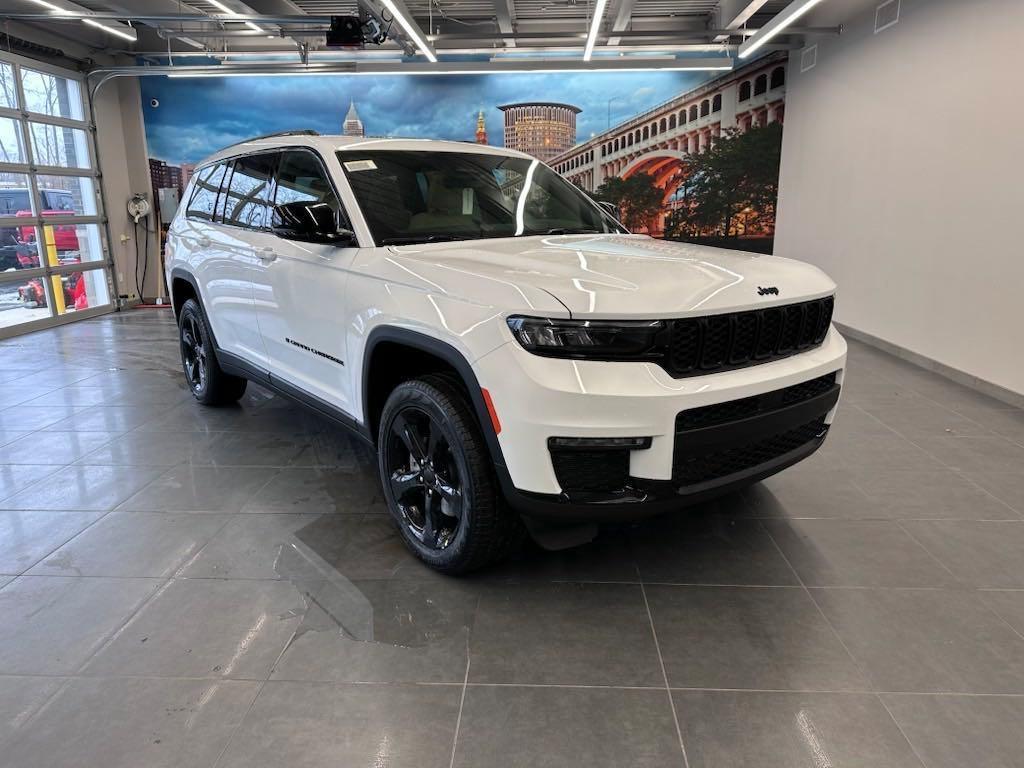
{"x": 122, "y": 147}
{"x": 902, "y": 165}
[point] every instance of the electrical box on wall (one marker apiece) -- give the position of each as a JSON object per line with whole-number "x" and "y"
{"x": 168, "y": 201}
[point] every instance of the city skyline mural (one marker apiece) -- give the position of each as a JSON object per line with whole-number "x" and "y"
{"x": 196, "y": 117}
{"x": 683, "y": 155}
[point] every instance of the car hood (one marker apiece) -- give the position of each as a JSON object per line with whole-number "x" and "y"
{"x": 619, "y": 276}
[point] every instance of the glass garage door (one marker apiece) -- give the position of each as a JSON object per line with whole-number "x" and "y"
{"x": 54, "y": 265}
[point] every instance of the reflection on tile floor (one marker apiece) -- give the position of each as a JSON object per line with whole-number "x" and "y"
{"x": 182, "y": 586}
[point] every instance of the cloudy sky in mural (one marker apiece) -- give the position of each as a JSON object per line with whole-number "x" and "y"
{"x": 198, "y": 116}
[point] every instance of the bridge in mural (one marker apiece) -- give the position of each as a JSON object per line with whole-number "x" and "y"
{"x": 659, "y": 142}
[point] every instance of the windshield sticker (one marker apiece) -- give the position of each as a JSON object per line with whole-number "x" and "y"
{"x": 360, "y": 165}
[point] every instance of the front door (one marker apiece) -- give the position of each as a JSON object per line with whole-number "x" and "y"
{"x": 299, "y": 290}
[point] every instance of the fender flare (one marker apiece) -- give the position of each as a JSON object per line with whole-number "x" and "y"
{"x": 455, "y": 359}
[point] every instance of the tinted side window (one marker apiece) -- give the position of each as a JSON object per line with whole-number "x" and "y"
{"x": 58, "y": 201}
{"x": 204, "y": 198}
{"x": 248, "y": 193}
{"x": 13, "y": 201}
{"x": 302, "y": 178}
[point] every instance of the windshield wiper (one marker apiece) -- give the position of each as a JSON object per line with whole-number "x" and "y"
{"x": 407, "y": 239}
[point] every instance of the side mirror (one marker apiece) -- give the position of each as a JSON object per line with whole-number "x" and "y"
{"x": 310, "y": 223}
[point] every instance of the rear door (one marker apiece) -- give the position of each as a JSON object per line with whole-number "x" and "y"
{"x": 242, "y": 221}
{"x": 299, "y": 289}
{"x": 225, "y": 284}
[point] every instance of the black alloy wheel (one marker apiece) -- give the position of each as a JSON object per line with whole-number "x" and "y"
{"x": 424, "y": 477}
{"x": 209, "y": 384}
{"x": 193, "y": 354}
{"x": 439, "y": 480}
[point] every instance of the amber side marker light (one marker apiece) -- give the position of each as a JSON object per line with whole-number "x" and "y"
{"x": 490, "y": 411}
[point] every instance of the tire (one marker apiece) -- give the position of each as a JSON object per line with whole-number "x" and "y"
{"x": 445, "y": 503}
{"x": 209, "y": 384}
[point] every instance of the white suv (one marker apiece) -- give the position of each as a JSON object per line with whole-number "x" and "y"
{"x": 517, "y": 358}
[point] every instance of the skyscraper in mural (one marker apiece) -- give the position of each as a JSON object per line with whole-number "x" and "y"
{"x": 542, "y": 129}
{"x": 352, "y": 126}
{"x": 481, "y": 129}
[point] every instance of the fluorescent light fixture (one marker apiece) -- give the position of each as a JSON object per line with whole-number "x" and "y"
{"x": 126, "y": 32}
{"x": 232, "y": 12}
{"x": 121, "y": 30}
{"x": 220, "y": 6}
{"x": 618, "y": 64}
{"x": 410, "y": 30}
{"x": 781, "y": 20}
{"x": 595, "y": 24}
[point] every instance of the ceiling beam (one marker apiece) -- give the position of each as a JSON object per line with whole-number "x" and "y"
{"x": 622, "y": 19}
{"x": 733, "y": 14}
{"x": 505, "y": 13}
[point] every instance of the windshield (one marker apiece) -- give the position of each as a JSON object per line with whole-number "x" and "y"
{"x": 422, "y": 197}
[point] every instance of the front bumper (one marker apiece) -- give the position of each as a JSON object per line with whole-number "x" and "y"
{"x": 539, "y": 398}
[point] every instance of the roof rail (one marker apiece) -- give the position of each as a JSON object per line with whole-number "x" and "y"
{"x": 302, "y": 132}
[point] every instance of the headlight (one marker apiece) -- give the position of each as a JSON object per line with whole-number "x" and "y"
{"x": 588, "y": 339}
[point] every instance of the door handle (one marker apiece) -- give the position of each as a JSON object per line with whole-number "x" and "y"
{"x": 266, "y": 254}
{"x": 204, "y": 242}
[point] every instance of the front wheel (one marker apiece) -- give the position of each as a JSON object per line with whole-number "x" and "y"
{"x": 208, "y": 382}
{"x": 438, "y": 480}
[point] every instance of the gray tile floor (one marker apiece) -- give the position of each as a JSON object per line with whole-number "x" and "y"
{"x": 181, "y": 586}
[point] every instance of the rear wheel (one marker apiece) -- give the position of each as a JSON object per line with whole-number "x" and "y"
{"x": 438, "y": 480}
{"x": 209, "y": 384}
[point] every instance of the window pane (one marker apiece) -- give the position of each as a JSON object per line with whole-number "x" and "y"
{"x": 222, "y": 198}
{"x": 249, "y": 189}
{"x": 205, "y": 195}
{"x": 71, "y": 244}
{"x": 19, "y": 248}
{"x": 301, "y": 178}
{"x": 11, "y": 148}
{"x": 51, "y": 94}
{"x": 59, "y": 146}
{"x": 8, "y": 93}
{"x": 66, "y": 195}
{"x": 81, "y": 290}
{"x": 22, "y": 301}
{"x": 15, "y": 199}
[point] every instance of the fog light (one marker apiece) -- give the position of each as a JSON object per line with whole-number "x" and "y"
{"x": 598, "y": 443}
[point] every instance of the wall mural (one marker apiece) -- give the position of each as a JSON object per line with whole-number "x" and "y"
{"x": 684, "y": 155}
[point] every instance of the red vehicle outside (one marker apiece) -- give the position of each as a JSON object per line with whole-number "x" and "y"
{"x": 14, "y": 201}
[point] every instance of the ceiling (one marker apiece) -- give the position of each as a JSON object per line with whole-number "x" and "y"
{"x": 452, "y": 27}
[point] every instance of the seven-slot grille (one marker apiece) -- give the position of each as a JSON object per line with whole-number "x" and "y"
{"x": 720, "y": 342}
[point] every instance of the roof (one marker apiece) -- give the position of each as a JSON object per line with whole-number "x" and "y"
{"x": 331, "y": 144}
{"x": 575, "y": 109}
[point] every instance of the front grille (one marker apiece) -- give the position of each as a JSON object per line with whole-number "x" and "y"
{"x": 705, "y": 467}
{"x": 583, "y": 470}
{"x": 734, "y": 410}
{"x": 738, "y": 339}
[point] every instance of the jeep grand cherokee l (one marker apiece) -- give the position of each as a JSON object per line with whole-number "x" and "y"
{"x": 513, "y": 354}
